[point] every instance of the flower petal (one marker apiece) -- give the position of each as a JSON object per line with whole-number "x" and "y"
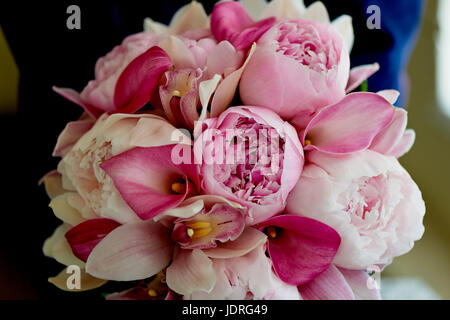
{"x": 330, "y": 285}
{"x": 189, "y": 17}
{"x": 85, "y": 236}
{"x": 58, "y": 248}
{"x": 316, "y": 12}
{"x": 344, "y": 26}
{"x": 133, "y": 251}
{"x": 144, "y": 177}
{"x": 390, "y": 95}
{"x": 358, "y": 282}
{"x": 70, "y": 135}
{"x": 230, "y": 21}
{"x": 390, "y": 136}
{"x": 75, "y": 97}
{"x": 137, "y": 82}
{"x": 87, "y": 282}
{"x": 247, "y": 241}
{"x": 303, "y": 249}
{"x": 350, "y": 125}
{"x": 191, "y": 270}
{"x": 404, "y": 145}
{"x": 359, "y": 74}
{"x": 282, "y": 9}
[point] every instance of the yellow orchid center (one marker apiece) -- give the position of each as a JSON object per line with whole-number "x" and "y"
{"x": 307, "y": 142}
{"x": 271, "y": 232}
{"x": 177, "y": 93}
{"x": 179, "y": 187}
{"x": 198, "y": 229}
{"x": 152, "y": 293}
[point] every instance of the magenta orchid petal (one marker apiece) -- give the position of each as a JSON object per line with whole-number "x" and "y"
{"x": 302, "y": 249}
{"x": 404, "y": 145}
{"x": 145, "y": 178}
{"x": 390, "y": 136}
{"x": 85, "y": 236}
{"x": 222, "y": 223}
{"x": 133, "y": 251}
{"x": 330, "y": 285}
{"x": 136, "y": 84}
{"x": 230, "y": 21}
{"x": 250, "y": 239}
{"x": 190, "y": 271}
{"x": 359, "y": 74}
{"x": 350, "y": 125}
{"x": 70, "y": 135}
{"x": 359, "y": 282}
{"x": 74, "y": 96}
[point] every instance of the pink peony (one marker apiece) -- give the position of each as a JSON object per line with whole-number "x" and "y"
{"x": 298, "y": 67}
{"x": 81, "y": 170}
{"x": 249, "y": 155}
{"x": 368, "y": 198}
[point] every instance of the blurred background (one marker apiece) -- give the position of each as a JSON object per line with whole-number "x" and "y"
{"x": 37, "y": 51}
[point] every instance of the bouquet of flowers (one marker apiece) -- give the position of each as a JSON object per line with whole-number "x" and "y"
{"x": 232, "y": 156}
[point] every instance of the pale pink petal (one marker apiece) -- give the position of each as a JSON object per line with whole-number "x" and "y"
{"x": 404, "y": 145}
{"x": 74, "y": 96}
{"x": 316, "y": 12}
{"x": 344, "y": 26}
{"x": 136, "y": 84}
{"x": 230, "y": 21}
{"x": 179, "y": 53}
{"x": 70, "y": 135}
{"x": 302, "y": 249}
{"x": 247, "y": 241}
{"x": 227, "y": 88}
{"x": 390, "y": 136}
{"x": 53, "y": 184}
{"x": 133, "y": 251}
{"x": 85, "y": 236}
{"x": 188, "y": 17}
{"x": 359, "y": 74}
{"x": 358, "y": 280}
{"x": 191, "y": 270}
{"x": 350, "y": 125}
{"x": 144, "y": 177}
{"x": 330, "y": 285}
{"x": 224, "y": 59}
{"x": 390, "y": 95}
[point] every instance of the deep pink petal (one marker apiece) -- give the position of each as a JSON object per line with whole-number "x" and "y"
{"x": 85, "y": 236}
{"x": 70, "y": 135}
{"x": 144, "y": 177}
{"x": 330, "y": 285}
{"x": 133, "y": 251}
{"x": 350, "y": 125}
{"x": 190, "y": 270}
{"x": 302, "y": 249}
{"x": 359, "y": 74}
{"x": 136, "y": 84}
{"x": 230, "y": 21}
{"x": 75, "y": 97}
{"x": 390, "y": 136}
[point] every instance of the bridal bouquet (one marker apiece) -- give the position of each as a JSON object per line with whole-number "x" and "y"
{"x": 233, "y": 156}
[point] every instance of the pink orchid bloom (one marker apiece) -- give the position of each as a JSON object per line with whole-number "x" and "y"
{"x": 140, "y": 250}
{"x": 230, "y": 21}
{"x": 349, "y": 125}
{"x": 149, "y": 181}
{"x": 340, "y": 284}
{"x": 125, "y": 78}
{"x": 300, "y": 248}
{"x": 249, "y": 155}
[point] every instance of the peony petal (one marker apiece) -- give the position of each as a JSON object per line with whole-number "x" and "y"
{"x": 255, "y": 7}
{"x": 223, "y": 59}
{"x": 344, "y": 26}
{"x": 390, "y": 136}
{"x": 303, "y": 248}
{"x": 390, "y": 95}
{"x": 230, "y": 21}
{"x": 85, "y": 236}
{"x": 189, "y": 17}
{"x": 358, "y": 282}
{"x": 359, "y": 74}
{"x": 250, "y": 239}
{"x": 53, "y": 184}
{"x": 191, "y": 270}
{"x": 75, "y": 97}
{"x": 155, "y": 27}
{"x": 330, "y": 285}
{"x": 316, "y": 12}
{"x": 70, "y": 135}
{"x": 133, "y": 251}
{"x": 179, "y": 53}
{"x": 227, "y": 88}
{"x": 64, "y": 211}
{"x": 350, "y": 125}
{"x": 136, "y": 84}
{"x": 144, "y": 177}
{"x": 404, "y": 145}
{"x": 87, "y": 282}
{"x": 283, "y": 9}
